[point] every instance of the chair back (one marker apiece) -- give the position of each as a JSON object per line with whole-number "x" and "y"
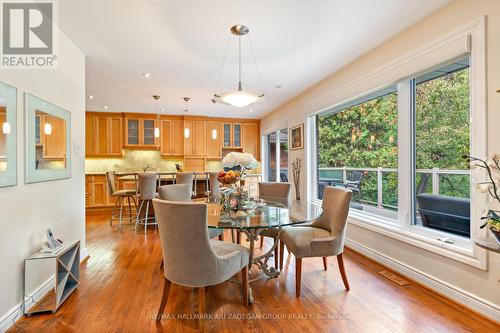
{"x": 214, "y": 184}
{"x": 110, "y": 178}
{"x": 175, "y": 192}
{"x": 147, "y": 186}
{"x": 189, "y": 259}
{"x": 335, "y": 207}
{"x": 274, "y": 190}
{"x": 184, "y": 178}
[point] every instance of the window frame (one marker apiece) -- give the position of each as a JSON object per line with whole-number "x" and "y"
{"x": 463, "y": 250}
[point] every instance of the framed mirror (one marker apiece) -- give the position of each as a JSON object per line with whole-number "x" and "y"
{"x": 48, "y": 137}
{"x": 8, "y": 134}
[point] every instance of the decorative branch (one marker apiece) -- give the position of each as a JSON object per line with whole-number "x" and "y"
{"x": 296, "y": 167}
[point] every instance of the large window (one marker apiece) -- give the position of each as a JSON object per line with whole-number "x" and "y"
{"x": 442, "y": 138}
{"x": 357, "y": 149}
{"x": 420, "y": 181}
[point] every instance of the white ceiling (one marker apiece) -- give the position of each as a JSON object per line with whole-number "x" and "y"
{"x": 181, "y": 43}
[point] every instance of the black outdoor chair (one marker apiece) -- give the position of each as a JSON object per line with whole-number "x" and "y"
{"x": 283, "y": 177}
{"x": 353, "y": 183}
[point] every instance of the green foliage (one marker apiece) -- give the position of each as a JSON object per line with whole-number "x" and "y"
{"x": 365, "y": 136}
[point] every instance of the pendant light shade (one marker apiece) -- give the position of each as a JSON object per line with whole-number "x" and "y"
{"x": 157, "y": 128}
{"x": 240, "y": 97}
{"x": 186, "y": 133}
{"x": 157, "y": 132}
{"x": 214, "y": 134}
{"x": 6, "y": 128}
{"x": 47, "y": 129}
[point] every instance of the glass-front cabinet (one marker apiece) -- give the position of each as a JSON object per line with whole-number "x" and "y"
{"x": 140, "y": 132}
{"x": 232, "y": 135}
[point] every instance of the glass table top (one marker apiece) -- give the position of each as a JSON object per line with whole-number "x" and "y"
{"x": 275, "y": 213}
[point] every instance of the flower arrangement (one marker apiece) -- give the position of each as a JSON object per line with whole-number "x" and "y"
{"x": 490, "y": 186}
{"x": 239, "y": 161}
{"x": 235, "y": 165}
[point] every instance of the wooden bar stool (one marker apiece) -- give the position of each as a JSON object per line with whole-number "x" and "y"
{"x": 121, "y": 196}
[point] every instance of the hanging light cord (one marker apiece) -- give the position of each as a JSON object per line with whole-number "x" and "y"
{"x": 255, "y": 63}
{"x": 239, "y": 63}
{"x": 222, "y": 67}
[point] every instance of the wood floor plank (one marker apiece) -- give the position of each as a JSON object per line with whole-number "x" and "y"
{"x": 121, "y": 288}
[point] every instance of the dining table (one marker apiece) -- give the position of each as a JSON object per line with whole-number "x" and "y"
{"x": 261, "y": 214}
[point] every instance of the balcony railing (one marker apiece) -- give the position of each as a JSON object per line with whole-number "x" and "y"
{"x": 339, "y": 175}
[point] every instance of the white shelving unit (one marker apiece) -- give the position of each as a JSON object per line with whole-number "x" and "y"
{"x": 58, "y": 272}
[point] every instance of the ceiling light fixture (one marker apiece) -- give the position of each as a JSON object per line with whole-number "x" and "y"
{"x": 90, "y": 96}
{"x": 186, "y": 130}
{"x": 47, "y": 129}
{"x": 157, "y": 128}
{"x": 146, "y": 75}
{"x": 105, "y": 107}
{"x": 6, "y": 128}
{"x": 213, "y": 101}
{"x": 239, "y": 97}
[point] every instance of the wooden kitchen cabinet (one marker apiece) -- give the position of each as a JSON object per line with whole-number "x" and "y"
{"x": 3, "y": 137}
{"x": 103, "y": 135}
{"x": 196, "y": 143}
{"x": 54, "y": 145}
{"x": 214, "y": 140}
{"x": 96, "y": 191}
{"x": 139, "y": 131}
{"x": 250, "y": 139}
{"x": 171, "y": 137}
{"x": 232, "y": 135}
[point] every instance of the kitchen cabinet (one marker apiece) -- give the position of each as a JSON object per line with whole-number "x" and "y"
{"x": 171, "y": 137}
{"x": 103, "y": 135}
{"x": 250, "y": 139}
{"x": 232, "y": 135}
{"x": 54, "y": 145}
{"x": 214, "y": 140}
{"x": 139, "y": 131}
{"x": 196, "y": 143}
{"x": 96, "y": 191}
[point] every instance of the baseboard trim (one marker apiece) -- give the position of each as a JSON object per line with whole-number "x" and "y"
{"x": 458, "y": 295}
{"x": 17, "y": 312}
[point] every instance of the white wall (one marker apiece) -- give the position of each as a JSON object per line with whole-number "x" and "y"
{"x": 471, "y": 286}
{"x": 27, "y": 209}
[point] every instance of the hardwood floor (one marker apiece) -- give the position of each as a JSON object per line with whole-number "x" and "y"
{"x": 121, "y": 289}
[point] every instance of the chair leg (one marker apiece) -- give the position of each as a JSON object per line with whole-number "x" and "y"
{"x": 261, "y": 241}
{"x": 340, "y": 260}
{"x": 113, "y": 212}
{"x": 298, "y": 275}
{"x": 238, "y": 237}
{"x": 244, "y": 282}
{"x": 232, "y": 235}
{"x": 146, "y": 217}
{"x": 276, "y": 257}
{"x": 221, "y": 236}
{"x": 201, "y": 307}
{"x": 325, "y": 263}
{"x": 138, "y": 214}
{"x": 129, "y": 210}
{"x": 164, "y": 298}
{"x": 282, "y": 254}
{"x": 161, "y": 265}
{"x": 121, "y": 213}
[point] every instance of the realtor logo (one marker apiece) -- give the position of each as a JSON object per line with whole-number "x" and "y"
{"x": 28, "y": 34}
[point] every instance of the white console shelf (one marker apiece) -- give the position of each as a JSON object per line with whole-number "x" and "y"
{"x": 59, "y": 272}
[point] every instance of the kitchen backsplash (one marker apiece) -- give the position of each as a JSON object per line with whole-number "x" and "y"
{"x": 136, "y": 160}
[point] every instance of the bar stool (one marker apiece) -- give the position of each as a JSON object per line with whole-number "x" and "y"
{"x": 121, "y": 195}
{"x": 214, "y": 191}
{"x": 185, "y": 178}
{"x": 147, "y": 192}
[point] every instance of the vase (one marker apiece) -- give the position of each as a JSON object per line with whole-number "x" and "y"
{"x": 496, "y": 234}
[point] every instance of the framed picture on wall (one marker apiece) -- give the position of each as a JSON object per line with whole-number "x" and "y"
{"x": 297, "y": 137}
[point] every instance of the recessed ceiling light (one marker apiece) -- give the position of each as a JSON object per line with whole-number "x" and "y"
{"x": 162, "y": 109}
{"x": 251, "y": 110}
{"x": 279, "y": 86}
{"x": 90, "y": 96}
{"x": 146, "y": 75}
{"x": 105, "y": 107}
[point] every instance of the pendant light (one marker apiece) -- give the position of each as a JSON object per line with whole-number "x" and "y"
{"x": 186, "y": 130}
{"x": 6, "y": 128}
{"x": 157, "y": 127}
{"x": 239, "y": 97}
{"x": 47, "y": 129}
{"x": 214, "y": 130}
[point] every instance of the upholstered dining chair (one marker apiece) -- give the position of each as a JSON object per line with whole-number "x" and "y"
{"x": 323, "y": 237}
{"x": 185, "y": 178}
{"x": 182, "y": 192}
{"x": 277, "y": 192}
{"x": 191, "y": 258}
{"x": 121, "y": 196}
{"x": 147, "y": 192}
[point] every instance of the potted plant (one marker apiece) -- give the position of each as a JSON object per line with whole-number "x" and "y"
{"x": 491, "y": 186}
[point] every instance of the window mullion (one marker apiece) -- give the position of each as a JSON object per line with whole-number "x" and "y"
{"x": 405, "y": 152}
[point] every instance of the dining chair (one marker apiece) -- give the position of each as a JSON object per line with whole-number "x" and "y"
{"x": 185, "y": 178}
{"x": 323, "y": 237}
{"x": 191, "y": 258}
{"x": 277, "y": 192}
{"x": 147, "y": 192}
{"x": 182, "y": 192}
{"x": 121, "y": 196}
